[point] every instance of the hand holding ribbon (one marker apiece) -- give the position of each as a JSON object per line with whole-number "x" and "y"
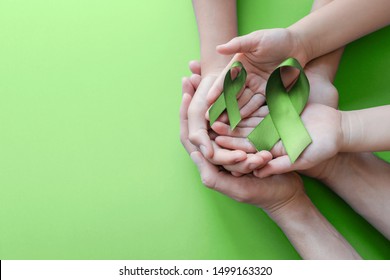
{"x": 282, "y": 122}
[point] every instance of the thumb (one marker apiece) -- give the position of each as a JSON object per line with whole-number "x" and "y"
{"x": 238, "y": 188}
{"x": 242, "y": 44}
{"x": 276, "y": 166}
{"x": 208, "y": 172}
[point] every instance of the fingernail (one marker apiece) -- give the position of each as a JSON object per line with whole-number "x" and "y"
{"x": 203, "y": 150}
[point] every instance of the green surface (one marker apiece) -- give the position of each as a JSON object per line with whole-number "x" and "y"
{"x": 91, "y": 166}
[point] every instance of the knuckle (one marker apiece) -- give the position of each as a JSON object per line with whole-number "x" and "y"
{"x": 244, "y": 198}
{"x": 192, "y": 111}
{"x": 193, "y": 137}
{"x": 207, "y": 181}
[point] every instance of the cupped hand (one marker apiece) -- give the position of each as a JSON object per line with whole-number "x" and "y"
{"x": 236, "y": 161}
{"x": 260, "y": 52}
{"x": 270, "y": 194}
{"x": 324, "y": 126}
{"x": 194, "y": 127}
{"x": 322, "y": 90}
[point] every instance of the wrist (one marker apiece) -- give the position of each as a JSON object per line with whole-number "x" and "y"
{"x": 301, "y": 49}
{"x": 293, "y": 214}
{"x": 215, "y": 64}
{"x": 278, "y": 211}
{"x": 345, "y": 131}
{"x": 334, "y": 168}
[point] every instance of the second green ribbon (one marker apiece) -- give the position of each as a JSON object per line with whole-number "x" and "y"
{"x": 283, "y": 121}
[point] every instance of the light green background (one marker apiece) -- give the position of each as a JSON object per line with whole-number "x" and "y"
{"x": 91, "y": 166}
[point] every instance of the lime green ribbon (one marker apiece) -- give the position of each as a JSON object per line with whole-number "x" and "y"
{"x": 283, "y": 121}
{"x": 228, "y": 99}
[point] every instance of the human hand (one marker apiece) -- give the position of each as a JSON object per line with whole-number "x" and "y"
{"x": 270, "y": 194}
{"x": 322, "y": 90}
{"x": 245, "y": 163}
{"x": 194, "y": 126}
{"x": 260, "y": 52}
{"x": 323, "y": 124}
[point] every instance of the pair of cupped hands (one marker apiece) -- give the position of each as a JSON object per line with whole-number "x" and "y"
{"x": 226, "y": 159}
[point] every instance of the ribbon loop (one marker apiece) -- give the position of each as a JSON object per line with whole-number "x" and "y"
{"x": 283, "y": 121}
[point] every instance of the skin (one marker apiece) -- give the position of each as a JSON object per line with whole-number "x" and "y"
{"x": 281, "y": 196}
{"x": 334, "y": 131}
{"x": 214, "y": 30}
{"x": 315, "y": 35}
{"x": 362, "y": 180}
{"x": 339, "y": 23}
{"x": 257, "y": 159}
{"x": 297, "y": 217}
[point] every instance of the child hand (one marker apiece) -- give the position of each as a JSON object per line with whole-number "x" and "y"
{"x": 260, "y": 52}
{"x": 324, "y": 126}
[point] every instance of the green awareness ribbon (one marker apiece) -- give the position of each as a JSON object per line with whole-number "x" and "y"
{"x": 283, "y": 121}
{"x": 228, "y": 98}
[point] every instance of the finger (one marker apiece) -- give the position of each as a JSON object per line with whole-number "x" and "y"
{"x": 194, "y": 66}
{"x": 278, "y": 150}
{"x": 217, "y": 87}
{"x": 224, "y": 129}
{"x": 256, "y": 83}
{"x": 250, "y": 122}
{"x": 254, "y": 104}
{"x": 195, "y": 80}
{"x": 289, "y": 75}
{"x": 237, "y": 174}
{"x": 235, "y": 143}
{"x": 237, "y": 188}
{"x": 244, "y": 98}
{"x": 253, "y": 162}
{"x": 224, "y": 157}
{"x": 262, "y": 112}
{"x": 242, "y": 44}
{"x": 187, "y": 87}
{"x": 186, "y": 100}
{"x": 197, "y": 124}
{"x": 278, "y": 165}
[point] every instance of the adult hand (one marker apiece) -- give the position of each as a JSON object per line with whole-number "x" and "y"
{"x": 322, "y": 90}
{"x": 269, "y": 194}
{"x": 238, "y": 162}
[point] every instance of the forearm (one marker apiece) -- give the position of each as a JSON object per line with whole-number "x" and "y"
{"x": 363, "y": 181}
{"x": 217, "y": 24}
{"x": 328, "y": 63}
{"x": 339, "y": 23}
{"x": 366, "y": 130}
{"x": 310, "y": 233}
